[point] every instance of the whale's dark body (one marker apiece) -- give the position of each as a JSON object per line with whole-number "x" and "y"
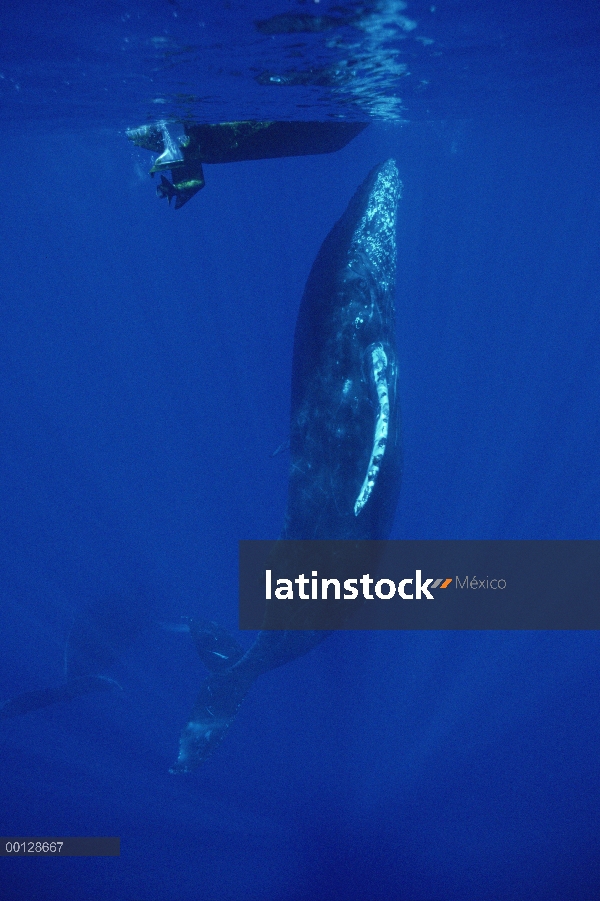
{"x": 100, "y": 634}
{"x": 345, "y": 441}
{"x": 344, "y": 376}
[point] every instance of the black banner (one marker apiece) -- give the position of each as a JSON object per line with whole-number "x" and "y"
{"x": 63, "y": 846}
{"x": 419, "y": 585}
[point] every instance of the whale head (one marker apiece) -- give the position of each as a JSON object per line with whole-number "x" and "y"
{"x": 345, "y": 428}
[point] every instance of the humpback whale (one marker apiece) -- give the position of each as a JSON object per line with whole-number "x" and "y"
{"x": 345, "y": 443}
{"x": 100, "y": 633}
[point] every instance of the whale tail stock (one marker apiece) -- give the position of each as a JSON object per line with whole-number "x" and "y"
{"x": 232, "y": 674}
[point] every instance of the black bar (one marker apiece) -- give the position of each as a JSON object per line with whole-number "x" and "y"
{"x": 480, "y": 585}
{"x": 62, "y": 846}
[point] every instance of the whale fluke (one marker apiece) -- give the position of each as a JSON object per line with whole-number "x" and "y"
{"x": 44, "y": 697}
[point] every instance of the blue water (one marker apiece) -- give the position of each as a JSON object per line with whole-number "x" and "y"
{"x": 146, "y": 357}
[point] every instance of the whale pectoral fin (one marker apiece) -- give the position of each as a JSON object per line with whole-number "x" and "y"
{"x": 379, "y": 366}
{"x": 44, "y": 697}
{"x": 217, "y": 703}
